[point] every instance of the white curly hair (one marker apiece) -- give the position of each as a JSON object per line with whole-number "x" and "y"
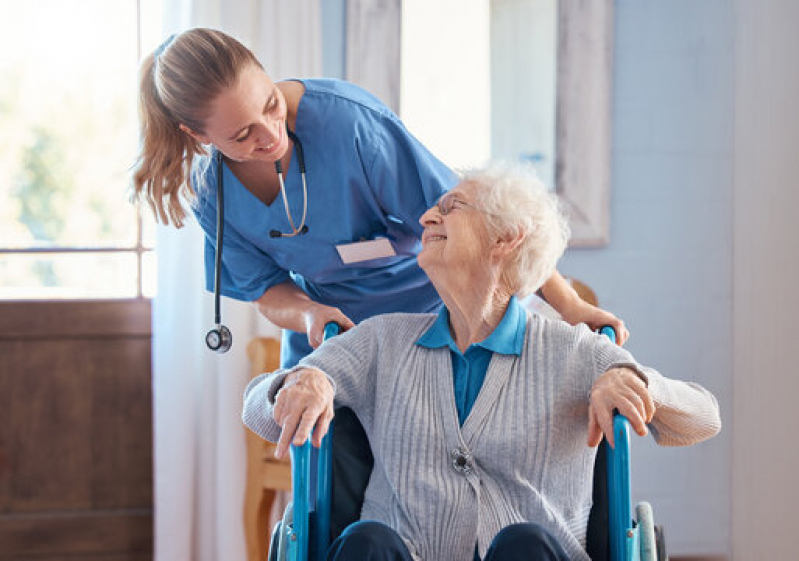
{"x": 515, "y": 200}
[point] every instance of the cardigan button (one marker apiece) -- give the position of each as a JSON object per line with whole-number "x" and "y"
{"x": 461, "y": 461}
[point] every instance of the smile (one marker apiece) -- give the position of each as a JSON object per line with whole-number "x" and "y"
{"x": 433, "y": 238}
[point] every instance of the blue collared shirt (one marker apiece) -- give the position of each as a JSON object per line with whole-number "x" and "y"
{"x": 469, "y": 368}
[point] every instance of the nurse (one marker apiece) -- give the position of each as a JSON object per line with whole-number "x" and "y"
{"x": 323, "y": 189}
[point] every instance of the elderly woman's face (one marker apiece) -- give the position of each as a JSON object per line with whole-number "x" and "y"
{"x": 455, "y": 239}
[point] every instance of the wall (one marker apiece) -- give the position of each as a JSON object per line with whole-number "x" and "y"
{"x": 667, "y": 269}
{"x": 334, "y": 38}
{"x": 766, "y": 263}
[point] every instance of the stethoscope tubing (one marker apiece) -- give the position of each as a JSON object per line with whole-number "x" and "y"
{"x": 220, "y": 215}
{"x": 279, "y": 169}
{"x": 220, "y": 234}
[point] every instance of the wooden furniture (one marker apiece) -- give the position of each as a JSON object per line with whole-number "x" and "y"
{"x": 76, "y": 463}
{"x": 268, "y": 479}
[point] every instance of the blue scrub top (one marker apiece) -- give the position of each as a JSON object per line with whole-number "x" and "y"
{"x": 367, "y": 177}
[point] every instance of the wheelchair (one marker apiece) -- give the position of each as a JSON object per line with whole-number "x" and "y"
{"x": 614, "y": 532}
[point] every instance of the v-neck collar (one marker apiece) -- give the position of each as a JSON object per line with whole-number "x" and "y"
{"x": 497, "y": 375}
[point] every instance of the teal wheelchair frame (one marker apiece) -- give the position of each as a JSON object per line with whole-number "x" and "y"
{"x": 630, "y": 539}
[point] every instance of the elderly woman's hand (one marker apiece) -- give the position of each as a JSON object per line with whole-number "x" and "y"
{"x": 622, "y": 389}
{"x": 304, "y": 401}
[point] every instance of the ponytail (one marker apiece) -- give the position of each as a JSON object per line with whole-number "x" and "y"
{"x": 164, "y": 163}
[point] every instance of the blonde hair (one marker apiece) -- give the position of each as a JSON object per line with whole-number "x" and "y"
{"x": 177, "y": 84}
{"x": 516, "y": 202}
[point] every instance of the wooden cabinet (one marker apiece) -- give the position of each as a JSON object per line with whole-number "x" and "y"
{"x": 76, "y": 431}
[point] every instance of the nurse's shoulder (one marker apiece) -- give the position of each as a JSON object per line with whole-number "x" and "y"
{"x": 329, "y": 93}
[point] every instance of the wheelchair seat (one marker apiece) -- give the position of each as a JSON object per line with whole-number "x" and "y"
{"x": 352, "y": 467}
{"x": 598, "y": 537}
{"x": 349, "y": 485}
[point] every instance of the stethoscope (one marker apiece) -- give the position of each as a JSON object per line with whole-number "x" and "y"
{"x": 219, "y": 338}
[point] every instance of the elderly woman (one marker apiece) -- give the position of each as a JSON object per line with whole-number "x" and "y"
{"x": 483, "y": 419}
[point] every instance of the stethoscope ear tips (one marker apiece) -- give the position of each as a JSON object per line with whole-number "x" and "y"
{"x": 219, "y": 339}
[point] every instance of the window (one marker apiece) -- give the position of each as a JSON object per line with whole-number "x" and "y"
{"x": 68, "y": 140}
{"x": 483, "y": 87}
{"x": 523, "y": 83}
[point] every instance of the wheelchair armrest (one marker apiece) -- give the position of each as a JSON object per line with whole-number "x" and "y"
{"x": 619, "y": 495}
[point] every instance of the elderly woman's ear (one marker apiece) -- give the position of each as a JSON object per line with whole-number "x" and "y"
{"x": 508, "y": 243}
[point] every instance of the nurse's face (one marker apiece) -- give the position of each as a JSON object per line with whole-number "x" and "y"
{"x": 455, "y": 242}
{"x": 248, "y": 120}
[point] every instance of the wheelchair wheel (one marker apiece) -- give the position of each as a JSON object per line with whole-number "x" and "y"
{"x": 274, "y": 542}
{"x": 646, "y": 531}
{"x": 660, "y": 538}
{"x": 278, "y": 543}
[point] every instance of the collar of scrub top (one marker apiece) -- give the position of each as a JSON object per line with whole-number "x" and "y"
{"x": 295, "y": 231}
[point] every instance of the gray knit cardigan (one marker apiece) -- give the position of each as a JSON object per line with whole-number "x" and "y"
{"x": 525, "y": 438}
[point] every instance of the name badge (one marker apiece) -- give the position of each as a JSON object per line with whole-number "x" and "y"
{"x": 365, "y": 251}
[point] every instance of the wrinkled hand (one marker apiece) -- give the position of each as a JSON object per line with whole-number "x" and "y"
{"x": 622, "y": 389}
{"x": 320, "y": 315}
{"x": 305, "y": 401}
{"x": 583, "y": 312}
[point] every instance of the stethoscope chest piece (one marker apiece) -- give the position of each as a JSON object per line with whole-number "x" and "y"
{"x": 219, "y": 339}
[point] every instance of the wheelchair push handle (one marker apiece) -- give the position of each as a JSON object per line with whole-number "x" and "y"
{"x": 331, "y": 330}
{"x": 609, "y": 332}
{"x": 301, "y": 489}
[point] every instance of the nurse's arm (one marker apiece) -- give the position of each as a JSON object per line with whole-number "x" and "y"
{"x": 288, "y": 307}
{"x": 561, "y": 296}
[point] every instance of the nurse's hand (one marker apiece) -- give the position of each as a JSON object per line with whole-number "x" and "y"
{"x": 319, "y": 315}
{"x": 582, "y": 312}
{"x": 573, "y": 309}
{"x": 303, "y": 404}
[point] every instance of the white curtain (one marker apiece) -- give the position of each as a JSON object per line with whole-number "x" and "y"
{"x": 199, "y": 443}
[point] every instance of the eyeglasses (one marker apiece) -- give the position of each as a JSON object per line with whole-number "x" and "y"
{"x": 448, "y": 201}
